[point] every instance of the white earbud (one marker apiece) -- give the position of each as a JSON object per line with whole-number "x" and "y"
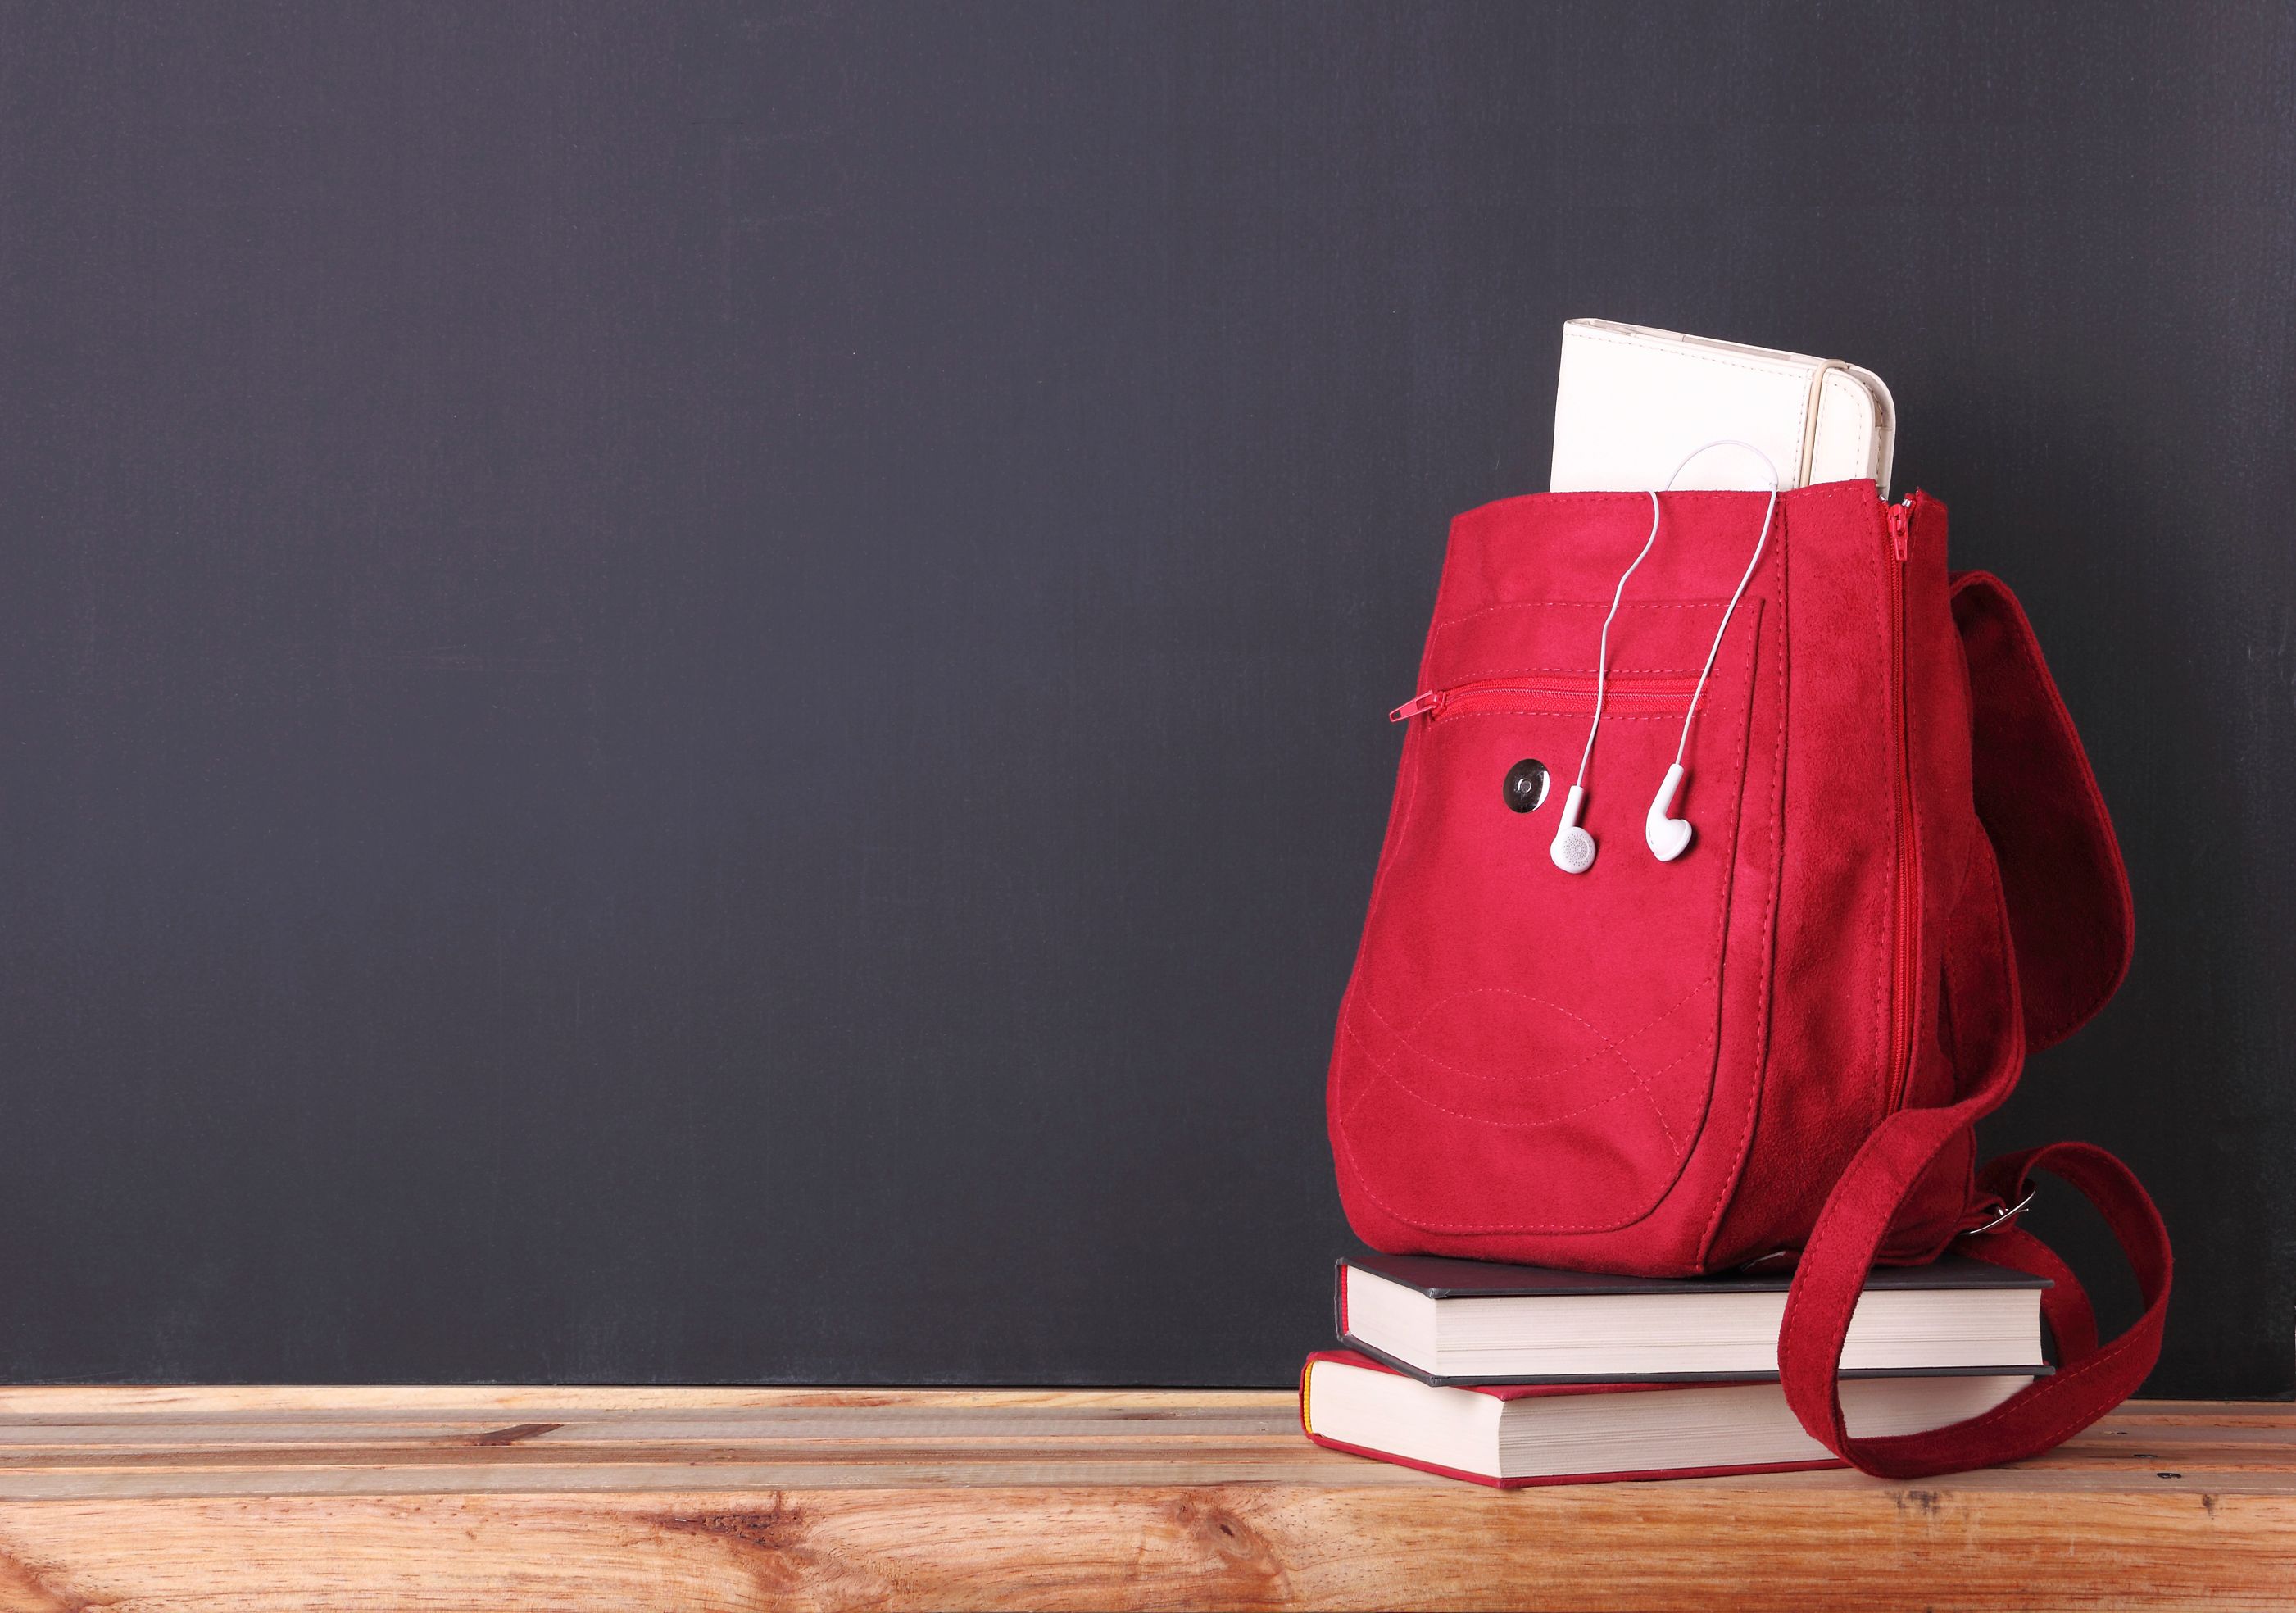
{"x": 1669, "y": 836}
{"x": 1573, "y": 849}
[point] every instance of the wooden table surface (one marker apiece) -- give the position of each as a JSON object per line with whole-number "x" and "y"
{"x": 130, "y": 1498}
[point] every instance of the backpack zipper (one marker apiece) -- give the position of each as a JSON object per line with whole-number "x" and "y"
{"x": 1905, "y": 956}
{"x": 1488, "y": 694}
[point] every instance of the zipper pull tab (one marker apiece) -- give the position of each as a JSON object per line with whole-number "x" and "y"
{"x": 1901, "y": 518}
{"x": 1412, "y": 708}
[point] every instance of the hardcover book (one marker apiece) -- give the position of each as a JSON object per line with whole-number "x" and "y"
{"x": 1529, "y": 1434}
{"x": 1472, "y": 1321}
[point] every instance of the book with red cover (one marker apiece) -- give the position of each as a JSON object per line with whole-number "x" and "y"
{"x": 1509, "y": 1435}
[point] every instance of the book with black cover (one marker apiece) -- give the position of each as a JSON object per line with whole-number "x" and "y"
{"x": 1471, "y": 1322}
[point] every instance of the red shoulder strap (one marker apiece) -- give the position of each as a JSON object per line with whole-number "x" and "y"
{"x": 2090, "y": 1379}
{"x": 1989, "y": 1027}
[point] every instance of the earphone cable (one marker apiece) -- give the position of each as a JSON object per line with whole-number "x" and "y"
{"x": 1602, "y": 650}
{"x": 1761, "y": 541}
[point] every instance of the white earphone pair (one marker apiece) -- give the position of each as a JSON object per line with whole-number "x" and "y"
{"x": 1668, "y": 837}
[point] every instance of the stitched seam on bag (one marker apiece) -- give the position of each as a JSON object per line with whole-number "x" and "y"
{"x": 1509, "y": 991}
{"x": 1879, "y": 969}
{"x": 1724, "y": 1199}
{"x": 1884, "y": 975}
{"x": 1363, "y": 1183}
{"x": 1587, "y": 672}
{"x": 1641, "y": 1078}
{"x": 1403, "y": 1038}
{"x": 1498, "y": 510}
{"x": 1716, "y": 605}
{"x": 1478, "y": 990}
{"x": 1387, "y": 1072}
{"x": 1612, "y": 497}
{"x": 1640, "y": 1084}
{"x": 1608, "y": 716}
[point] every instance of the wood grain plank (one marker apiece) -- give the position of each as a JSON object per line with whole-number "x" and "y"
{"x": 240, "y": 1499}
{"x": 1150, "y": 1546}
{"x": 487, "y": 1399}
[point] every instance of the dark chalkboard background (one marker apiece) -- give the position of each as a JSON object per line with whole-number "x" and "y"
{"x": 697, "y": 692}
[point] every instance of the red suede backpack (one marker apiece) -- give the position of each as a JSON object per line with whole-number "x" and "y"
{"x": 1900, "y": 877}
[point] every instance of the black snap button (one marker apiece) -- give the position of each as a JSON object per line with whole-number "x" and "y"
{"x": 1526, "y": 786}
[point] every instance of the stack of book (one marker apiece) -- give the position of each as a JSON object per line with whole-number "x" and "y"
{"x": 1514, "y": 1375}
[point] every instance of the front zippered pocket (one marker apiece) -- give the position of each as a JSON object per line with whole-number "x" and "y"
{"x": 1557, "y": 693}
{"x": 1506, "y": 1011}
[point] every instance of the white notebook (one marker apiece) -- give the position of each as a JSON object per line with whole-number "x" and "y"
{"x": 1630, "y": 402}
